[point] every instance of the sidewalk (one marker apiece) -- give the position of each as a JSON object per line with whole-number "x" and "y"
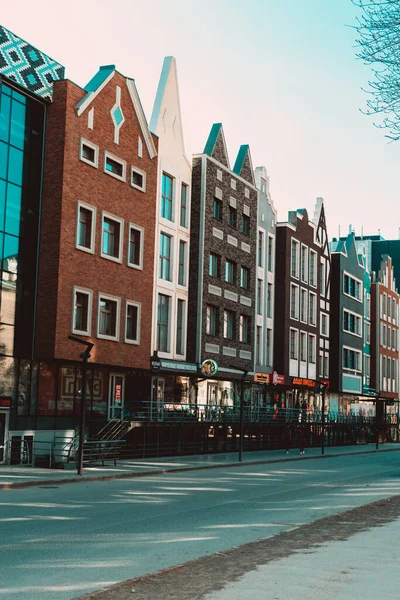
{"x": 19, "y": 476}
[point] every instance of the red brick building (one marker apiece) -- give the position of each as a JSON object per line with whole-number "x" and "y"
{"x": 96, "y": 250}
{"x": 385, "y": 337}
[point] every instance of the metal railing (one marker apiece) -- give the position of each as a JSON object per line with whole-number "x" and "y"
{"x": 183, "y": 413}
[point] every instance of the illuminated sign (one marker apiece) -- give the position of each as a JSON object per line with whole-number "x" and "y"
{"x": 5, "y": 402}
{"x": 261, "y": 377}
{"x": 305, "y": 382}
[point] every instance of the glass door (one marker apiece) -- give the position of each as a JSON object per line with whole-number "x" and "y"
{"x": 157, "y": 399}
{"x": 116, "y": 396}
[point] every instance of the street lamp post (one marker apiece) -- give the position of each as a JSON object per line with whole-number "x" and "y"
{"x": 85, "y": 357}
{"x": 241, "y": 424}
{"x": 323, "y": 388}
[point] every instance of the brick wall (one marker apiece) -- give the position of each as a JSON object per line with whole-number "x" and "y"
{"x": 67, "y": 180}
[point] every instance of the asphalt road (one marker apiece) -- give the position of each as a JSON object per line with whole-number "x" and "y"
{"x": 64, "y": 541}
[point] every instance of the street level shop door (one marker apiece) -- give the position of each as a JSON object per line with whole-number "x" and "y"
{"x": 116, "y": 396}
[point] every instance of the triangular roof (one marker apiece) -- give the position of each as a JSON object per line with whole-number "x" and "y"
{"x": 104, "y": 75}
{"x": 243, "y": 164}
{"x": 166, "y": 113}
{"x": 216, "y": 145}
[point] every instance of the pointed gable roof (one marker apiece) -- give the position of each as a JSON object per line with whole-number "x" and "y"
{"x": 216, "y": 145}
{"x": 94, "y": 87}
{"x": 166, "y": 118}
{"x": 243, "y": 164}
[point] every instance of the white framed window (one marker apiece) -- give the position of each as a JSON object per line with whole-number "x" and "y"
{"x": 295, "y": 258}
{"x": 114, "y": 166}
{"x": 132, "y": 322}
{"x": 85, "y": 227}
{"x": 138, "y": 179}
{"x": 294, "y": 301}
{"x": 259, "y": 297}
{"x": 303, "y": 346}
{"x": 167, "y": 197}
{"x": 324, "y": 325}
{"x": 82, "y": 303}
{"x": 326, "y": 365}
{"x": 351, "y": 359}
{"x": 258, "y": 345}
{"x": 182, "y": 260}
{"x": 260, "y": 249}
{"x": 352, "y": 323}
{"x": 270, "y": 253}
{"x": 183, "y": 222}
{"x": 246, "y": 193}
{"x": 312, "y": 309}
{"x": 313, "y": 268}
{"x": 112, "y": 237}
{"x": 108, "y": 317}
{"x": 322, "y": 276}
{"x": 165, "y": 257}
{"x": 135, "y": 246}
{"x": 163, "y": 322}
{"x": 303, "y": 305}
{"x": 219, "y": 174}
{"x": 89, "y": 153}
{"x": 312, "y": 348}
{"x": 352, "y": 287}
{"x": 294, "y": 344}
{"x": 304, "y": 263}
{"x": 233, "y": 184}
{"x": 180, "y": 327}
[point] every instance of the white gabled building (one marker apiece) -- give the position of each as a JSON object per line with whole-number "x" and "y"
{"x": 170, "y": 299}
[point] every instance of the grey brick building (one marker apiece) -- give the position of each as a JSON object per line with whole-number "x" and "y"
{"x": 222, "y": 280}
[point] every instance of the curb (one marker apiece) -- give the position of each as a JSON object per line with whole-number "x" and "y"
{"x": 88, "y": 479}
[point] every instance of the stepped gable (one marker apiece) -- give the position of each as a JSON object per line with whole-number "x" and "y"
{"x": 216, "y": 145}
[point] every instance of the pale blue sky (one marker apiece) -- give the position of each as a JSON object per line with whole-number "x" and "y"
{"x": 280, "y": 74}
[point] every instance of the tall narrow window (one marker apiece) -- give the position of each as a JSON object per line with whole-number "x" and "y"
{"x": 82, "y": 311}
{"x": 163, "y": 316}
{"x": 294, "y": 264}
{"x": 293, "y": 350}
{"x": 294, "y": 301}
{"x": 304, "y": 263}
{"x": 108, "y": 317}
{"x": 217, "y": 210}
{"x": 180, "y": 317}
{"x": 229, "y": 324}
{"x": 230, "y": 271}
{"x": 244, "y": 329}
{"x": 86, "y": 223}
{"x": 312, "y": 309}
{"x": 164, "y": 265}
{"x": 244, "y": 278}
{"x": 184, "y": 194}
{"x": 303, "y": 346}
{"x": 245, "y": 224}
{"x": 214, "y": 265}
{"x": 182, "y": 263}
{"x": 212, "y": 320}
{"x": 270, "y": 254}
{"x": 166, "y": 197}
{"x": 269, "y": 300}
{"x": 112, "y": 232}
{"x": 313, "y": 265}
{"x": 258, "y": 345}
{"x": 269, "y": 347}
{"x": 232, "y": 216}
{"x": 132, "y": 322}
{"x": 303, "y": 305}
{"x": 135, "y": 247}
{"x": 311, "y": 349}
{"x": 260, "y": 249}
{"x": 259, "y": 297}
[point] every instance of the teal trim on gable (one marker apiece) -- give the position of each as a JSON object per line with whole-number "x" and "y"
{"x": 212, "y": 139}
{"x": 243, "y": 150}
{"x": 155, "y": 115}
{"x": 99, "y": 78}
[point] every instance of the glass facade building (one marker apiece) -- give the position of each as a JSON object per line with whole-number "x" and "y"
{"x": 21, "y": 155}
